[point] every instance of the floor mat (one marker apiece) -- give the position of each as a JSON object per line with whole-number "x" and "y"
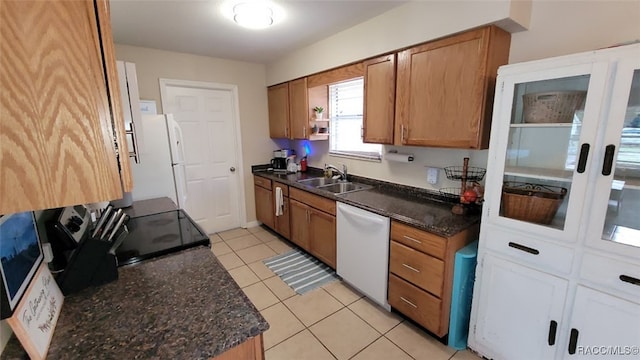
{"x": 301, "y": 271}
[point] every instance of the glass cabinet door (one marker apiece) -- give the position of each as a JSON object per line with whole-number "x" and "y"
{"x": 546, "y": 147}
{"x": 616, "y": 214}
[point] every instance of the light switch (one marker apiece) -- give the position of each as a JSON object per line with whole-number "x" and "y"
{"x": 432, "y": 175}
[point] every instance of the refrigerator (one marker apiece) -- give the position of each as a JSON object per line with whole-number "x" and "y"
{"x": 161, "y": 171}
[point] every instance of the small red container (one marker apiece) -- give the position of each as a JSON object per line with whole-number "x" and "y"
{"x": 303, "y": 164}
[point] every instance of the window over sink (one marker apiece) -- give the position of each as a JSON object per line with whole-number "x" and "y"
{"x": 346, "y": 106}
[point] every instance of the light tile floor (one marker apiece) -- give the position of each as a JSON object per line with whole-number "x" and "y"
{"x": 331, "y": 322}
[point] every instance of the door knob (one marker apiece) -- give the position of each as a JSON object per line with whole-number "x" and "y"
{"x": 232, "y": 169}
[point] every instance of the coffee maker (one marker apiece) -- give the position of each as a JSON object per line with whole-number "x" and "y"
{"x": 279, "y": 164}
{"x": 279, "y": 161}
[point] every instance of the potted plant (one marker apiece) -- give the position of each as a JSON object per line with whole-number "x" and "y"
{"x": 319, "y": 111}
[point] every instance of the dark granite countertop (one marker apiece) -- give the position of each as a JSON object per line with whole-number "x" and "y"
{"x": 417, "y": 207}
{"x": 180, "y": 306}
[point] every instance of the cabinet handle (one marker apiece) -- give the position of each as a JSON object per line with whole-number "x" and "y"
{"x": 286, "y": 132}
{"x": 304, "y": 131}
{"x": 362, "y": 132}
{"x": 524, "y": 248}
{"x": 553, "y": 326}
{"x": 401, "y": 133}
{"x": 408, "y": 302}
{"x": 582, "y": 161}
{"x": 411, "y": 268}
{"x": 608, "y": 159}
{"x": 573, "y": 341}
{"x": 412, "y": 239}
{"x": 630, "y": 279}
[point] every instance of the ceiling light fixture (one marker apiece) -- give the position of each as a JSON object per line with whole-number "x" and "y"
{"x": 253, "y": 14}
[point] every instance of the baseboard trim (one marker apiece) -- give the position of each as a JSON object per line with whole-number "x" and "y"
{"x": 251, "y": 224}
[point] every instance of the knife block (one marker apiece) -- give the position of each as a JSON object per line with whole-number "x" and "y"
{"x": 90, "y": 264}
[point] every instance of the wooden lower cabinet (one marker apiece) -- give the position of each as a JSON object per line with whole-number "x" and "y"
{"x": 308, "y": 220}
{"x": 264, "y": 209}
{"x": 322, "y": 234}
{"x": 314, "y": 231}
{"x": 281, "y": 222}
{"x": 417, "y": 304}
{"x": 419, "y": 268}
{"x": 298, "y": 213}
{"x": 252, "y": 349}
{"x": 421, "y": 274}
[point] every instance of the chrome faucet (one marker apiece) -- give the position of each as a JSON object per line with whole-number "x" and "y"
{"x": 343, "y": 173}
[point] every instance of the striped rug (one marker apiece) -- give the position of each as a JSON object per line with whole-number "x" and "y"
{"x": 301, "y": 271}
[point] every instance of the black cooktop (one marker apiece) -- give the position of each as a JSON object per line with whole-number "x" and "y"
{"x": 159, "y": 234}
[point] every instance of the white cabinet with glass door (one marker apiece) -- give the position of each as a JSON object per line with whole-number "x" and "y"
{"x": 544, "y": 153}
{"x": 614, "y": 224}
{"x": 564, "y": 172}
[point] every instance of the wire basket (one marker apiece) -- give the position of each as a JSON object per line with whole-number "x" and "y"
{"x": 452, "y": 193}
{"x": 552, "y": 107}
{"x": 473, "y": 173}
{"x": 531, "y": 202}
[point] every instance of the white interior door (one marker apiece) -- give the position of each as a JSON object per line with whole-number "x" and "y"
{"x": 207, "y": 117}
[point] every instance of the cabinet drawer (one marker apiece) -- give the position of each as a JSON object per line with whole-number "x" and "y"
{"x": 611, "y": 274}
{"x": 318, "y": 202}
{"x": 546, "y": 256}
{"x": 420, "y": 240}
{"x": 262, "y": 182}
{"x": 417, "y": 304}
{"x": 418, "y": 268}
{"x": 285, "y": 188}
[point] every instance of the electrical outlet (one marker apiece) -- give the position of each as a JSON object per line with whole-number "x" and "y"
{"x": 432, "y": 175}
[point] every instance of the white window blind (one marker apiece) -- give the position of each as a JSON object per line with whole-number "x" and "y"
{"x": 346, "y": 105}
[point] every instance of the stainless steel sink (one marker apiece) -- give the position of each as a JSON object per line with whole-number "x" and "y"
{"x": 344, "y": 187}
{"x": 320, "y": 181}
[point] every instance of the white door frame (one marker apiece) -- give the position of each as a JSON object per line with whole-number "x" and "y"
{"x": 164, "y": 83}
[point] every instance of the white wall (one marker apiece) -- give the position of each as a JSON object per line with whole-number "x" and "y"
{"x": 555, "y": 28}
{"x": 152, "y": 64}
{"x": 406, "y": 25}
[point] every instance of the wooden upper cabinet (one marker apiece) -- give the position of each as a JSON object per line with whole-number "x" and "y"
{"x": 333, "y": 76}
{"x": 379, "y": 99}
{"x": 299, "y": 109}
{"x": 278, "y": 97}
{"x": 56, "y": 132}
{"x": 113, "y": 88}
{"x": 445, "y": 89}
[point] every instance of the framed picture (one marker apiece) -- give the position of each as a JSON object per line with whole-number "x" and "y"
{"x": 34, "y": 319}
{"x": 20, "y": 256}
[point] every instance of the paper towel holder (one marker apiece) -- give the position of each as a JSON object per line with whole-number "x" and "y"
{"x": 394, "y": 155}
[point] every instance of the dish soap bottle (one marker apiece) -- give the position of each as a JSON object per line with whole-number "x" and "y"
{"x": 303, "y": 164}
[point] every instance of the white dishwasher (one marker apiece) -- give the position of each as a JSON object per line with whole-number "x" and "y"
{"x": 363, "y": 251}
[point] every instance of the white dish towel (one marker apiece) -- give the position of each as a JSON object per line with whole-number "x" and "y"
{"x": 279, "y": 202}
